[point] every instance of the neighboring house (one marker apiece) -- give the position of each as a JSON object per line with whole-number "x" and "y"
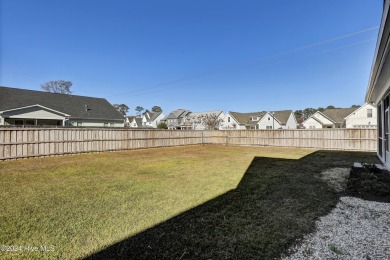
{"x": 128, "y": 120}
{"x": 240, "y": 121}
{"x": 136, "y": 122}
{"x": 284, "y": 119}
{"x": 30, "y": 107}
{"x": 329, "y": 118}
{"x": 194, "y": 120}
{"x": 363, "y": 117}
{"x": 177, "y": 119}
{"x": 378, "y": 90}
{"x": 152, "y": 119}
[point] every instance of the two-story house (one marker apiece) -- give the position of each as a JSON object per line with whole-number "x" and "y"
{"x": 178, "y": 119}
{"x": 205, "y": 120}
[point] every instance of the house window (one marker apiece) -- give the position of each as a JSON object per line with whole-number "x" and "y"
{"x": 79, "y": 123}
{"x": 268, "y": 127}
{"x": 369, "y": 112}
{"x": 312, "y": 127}
{"x": 269, "y": 118}
{"x": 253, "y": 118}
{"x": 105, "y": 124}
{"x": 229, "y": 119}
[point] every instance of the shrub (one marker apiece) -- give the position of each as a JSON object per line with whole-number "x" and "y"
{"x": 162, "y": 125}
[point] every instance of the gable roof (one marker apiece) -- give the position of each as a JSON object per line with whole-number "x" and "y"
{"x": 213, "y": 112}
{"x": 338, "y": 114}
{"x": 361, "y": 107}
{"x": 75, "y": 106}
{"x": 137, "y": 120}
{"x": 282, "y": 116}
{"x": 176, "y": 114}
{"x": 314, "y": 118}
{"x": 245, "y": 118}
{"x": 37, "y": 105}
{"x": 151, "y": 116}
{"x": 130, "y": 118}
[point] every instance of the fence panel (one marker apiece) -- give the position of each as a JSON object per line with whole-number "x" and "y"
{"x": 33, "y": 142}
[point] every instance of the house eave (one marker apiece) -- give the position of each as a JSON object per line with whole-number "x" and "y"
{"x": 376, "y": 89}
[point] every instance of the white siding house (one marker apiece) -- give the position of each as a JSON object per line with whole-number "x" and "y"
{"x": 196, "y": 119}
{"x": 230, "y": 123}
{"x": 238, "y": 121}
{"x": 363, "y": 117}
{"x": 134, "y": 122}
{"x": 284, "y": 119}
{"x": 329, "y": 118}
{"x": 312, "y": 123}
{"x": 378, "y": 90}
{"x": 152, "y": 119}
{"x": 318, "y": 120}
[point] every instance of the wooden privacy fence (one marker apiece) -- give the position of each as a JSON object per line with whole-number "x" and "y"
{"x": 33, "y": 142}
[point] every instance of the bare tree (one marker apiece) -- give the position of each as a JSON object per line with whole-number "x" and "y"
{"x": 58, "y": 86}
{"x": 209, "y": 121}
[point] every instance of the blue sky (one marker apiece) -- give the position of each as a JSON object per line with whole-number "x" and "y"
{"x": 200, "y": 55}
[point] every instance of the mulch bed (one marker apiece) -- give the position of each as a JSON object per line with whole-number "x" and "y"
{"x": 369, "y": 183}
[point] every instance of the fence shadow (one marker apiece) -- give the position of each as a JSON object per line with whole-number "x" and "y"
{"x": 276, "y": 203}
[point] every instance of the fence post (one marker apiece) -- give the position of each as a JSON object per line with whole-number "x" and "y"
{"x": 227, "y": 138}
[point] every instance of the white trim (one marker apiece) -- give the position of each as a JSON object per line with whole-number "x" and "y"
{"x": 375, "y": 74}
{"x": 36, "y": 105}
{"x": 357, "y": 109}
{"x": 272, "y": 117}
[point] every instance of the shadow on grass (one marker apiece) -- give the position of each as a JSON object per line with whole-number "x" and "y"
{"x": 276, "y": 203}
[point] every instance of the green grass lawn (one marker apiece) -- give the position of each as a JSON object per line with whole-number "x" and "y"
{"x": 81, "y": 204}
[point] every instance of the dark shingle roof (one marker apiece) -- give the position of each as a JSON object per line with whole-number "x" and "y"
{"x": 75, "y": 106}
{"x": 176, "y": 114}
{"x": 338, "y": 114}
{"x": 282, "y": 116}
{"x": 138, "y": 120}
{"x": 152, "y": 116}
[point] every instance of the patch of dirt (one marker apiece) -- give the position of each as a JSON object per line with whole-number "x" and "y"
{"x": 369, "y": 183}
{"x": 336, "y": 178}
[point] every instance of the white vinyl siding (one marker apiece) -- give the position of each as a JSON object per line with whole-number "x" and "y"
{"x": 360, "y": 118}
